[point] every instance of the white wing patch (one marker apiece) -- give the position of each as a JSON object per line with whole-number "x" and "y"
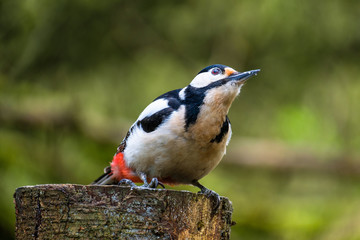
{"x": 154, "y": 107}
{"x": 182, "y": 94}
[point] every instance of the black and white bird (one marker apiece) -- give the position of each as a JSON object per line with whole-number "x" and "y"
{"x": 182, "y": 135}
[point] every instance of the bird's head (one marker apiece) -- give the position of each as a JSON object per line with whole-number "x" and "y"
{"x": 209, "y": 96}
{"x": 217, "y": 75}
{"x": 220, "y": 83}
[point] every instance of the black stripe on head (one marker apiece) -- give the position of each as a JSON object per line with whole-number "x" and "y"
{"x": 222, "y": 67}
{"x": 223, "y": 131}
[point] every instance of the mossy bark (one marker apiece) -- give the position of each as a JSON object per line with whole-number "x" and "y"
{"x": 64, "y": 211}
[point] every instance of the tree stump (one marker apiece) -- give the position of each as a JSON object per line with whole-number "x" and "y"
{"x": 61, "y": 211}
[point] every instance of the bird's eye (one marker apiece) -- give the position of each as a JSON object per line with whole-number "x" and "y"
{"x": 215, "y": 71}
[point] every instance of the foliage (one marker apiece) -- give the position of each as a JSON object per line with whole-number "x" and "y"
{"x": 75, "y": 74}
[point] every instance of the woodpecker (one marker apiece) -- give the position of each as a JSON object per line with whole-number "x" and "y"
{"x": 181, "y": 136}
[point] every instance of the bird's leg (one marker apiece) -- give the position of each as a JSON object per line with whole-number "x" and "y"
{"x": 127, "y": 182}
{"x": 154, "y": 183}
{"x": 208, "y": 193}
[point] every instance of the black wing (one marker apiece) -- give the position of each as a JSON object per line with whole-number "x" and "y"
{"x": 150, "y": 123}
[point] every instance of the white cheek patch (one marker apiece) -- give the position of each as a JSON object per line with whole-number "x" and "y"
{"x": 204, "y": 79}
{"x": 153, "y": 108}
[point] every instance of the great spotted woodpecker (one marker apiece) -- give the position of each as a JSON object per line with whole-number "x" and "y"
{"x": 181, "y": 136}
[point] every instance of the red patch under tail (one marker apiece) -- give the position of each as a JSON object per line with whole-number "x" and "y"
{"x": 120, "y": 170}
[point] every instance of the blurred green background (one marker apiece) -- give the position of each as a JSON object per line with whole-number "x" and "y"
{"x": 74, "y": 75}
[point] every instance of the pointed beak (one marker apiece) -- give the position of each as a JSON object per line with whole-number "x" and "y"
{"x": 242, "y": 77}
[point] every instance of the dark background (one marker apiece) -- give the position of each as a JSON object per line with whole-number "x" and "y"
{"x": 74, "y": 75}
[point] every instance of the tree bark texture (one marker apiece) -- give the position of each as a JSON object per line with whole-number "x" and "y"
{"x": 63, "y": 211}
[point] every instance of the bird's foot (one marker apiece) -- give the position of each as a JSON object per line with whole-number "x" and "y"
{"x": 127, "y": 182}
{"x": 153, "y": 184}
{"x": 212, "y": 195}
{"x": 209, "y": 194}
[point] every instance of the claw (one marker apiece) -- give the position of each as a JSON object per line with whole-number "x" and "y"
{"x": 153, "y": 184}
{"x": 209, "y": 194}
{"x": 127, "y": 182}
{"x": 162, "y": 185}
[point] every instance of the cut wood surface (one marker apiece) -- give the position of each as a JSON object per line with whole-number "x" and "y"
{"x": 63, "y": 211}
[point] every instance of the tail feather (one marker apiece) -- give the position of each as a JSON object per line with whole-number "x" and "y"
{"x": 116, "y": 171}
{"x": 105, "y": 179}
